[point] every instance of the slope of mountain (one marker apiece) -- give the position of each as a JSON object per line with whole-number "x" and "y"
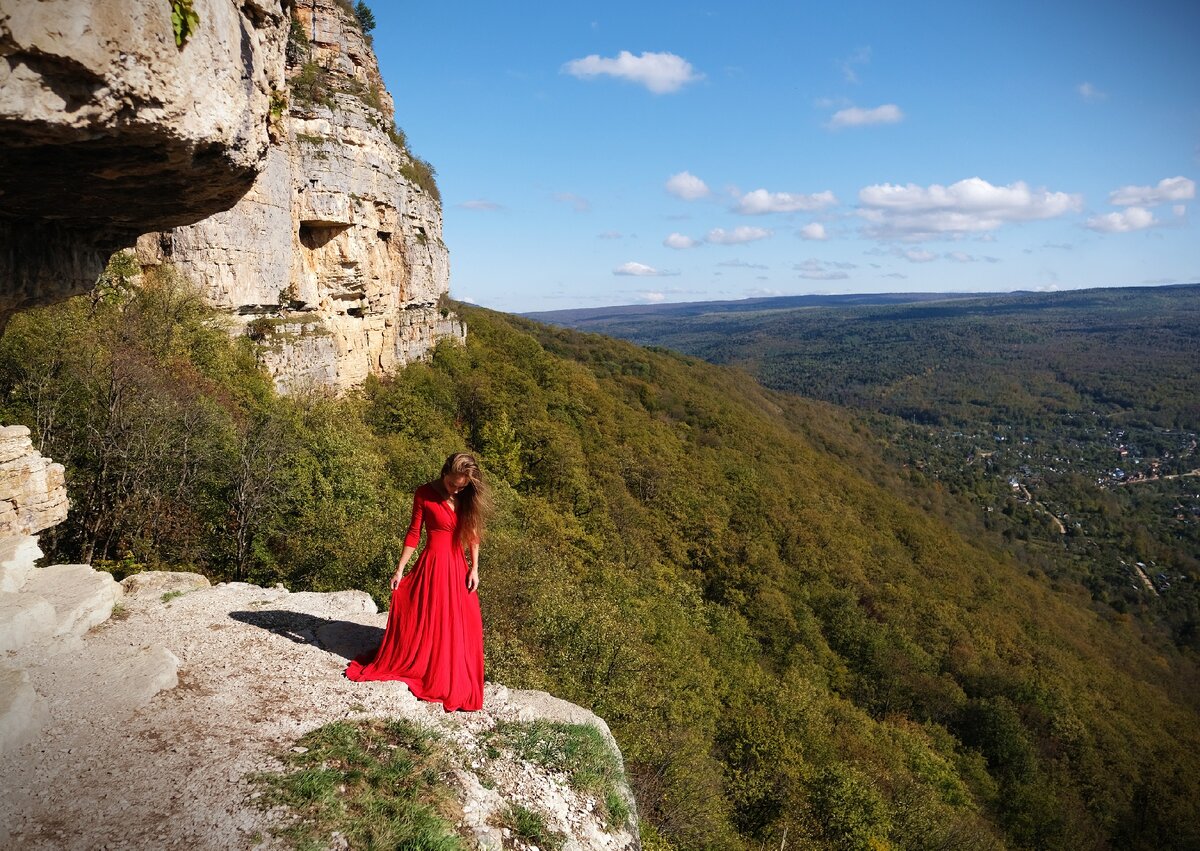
{"x": 780, "y": 644}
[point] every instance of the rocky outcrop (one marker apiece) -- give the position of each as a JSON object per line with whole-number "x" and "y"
{"x": 33, "y": 497}
{"x": 109, "y": 129}
{"x": 256, "y": 669}
{"x": 334, "y": 259}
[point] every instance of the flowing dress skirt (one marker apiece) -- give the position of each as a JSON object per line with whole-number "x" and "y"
{"x": 434, "y": 637}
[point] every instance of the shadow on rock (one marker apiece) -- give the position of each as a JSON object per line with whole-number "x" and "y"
{"x": 345, "y": 638}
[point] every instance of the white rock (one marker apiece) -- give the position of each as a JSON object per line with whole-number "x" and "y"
{"x": 25, "y": 618}
{"x": 82, "y": 597}
{"x": 22, "y": 710}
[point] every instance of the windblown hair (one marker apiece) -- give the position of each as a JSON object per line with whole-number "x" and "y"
{"x": 473, "y": 503}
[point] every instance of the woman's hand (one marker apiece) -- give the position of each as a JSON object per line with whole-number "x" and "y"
{"x": 396, "y": 577}
{"x": 473, "y": 578}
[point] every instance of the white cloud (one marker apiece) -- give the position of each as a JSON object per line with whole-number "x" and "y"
{"x": 761, "y": 201}
{"x": 1168, "y": 189}
{"x": 973, "y": 205}
{"x": 610, "y": 234}
{"x": 482, "y": 205}
{"x": 578, "y": 204}
{"x": 898, "y": 275}
{"x": 1130, "y": 219}
{"x": 961, "y": 257}
{"x": 641, "y": 270}
{"x": 1179, "y": 209}
{"x": 856, "y": 116}
{"x": 661, "y": 73}
{"x": 817, "y": 270}
{"x": 1090, "y": 93}
{"x": 919, "y": 255}
{"x": 814, "y": 230}
{"x": 859, "y": 57}
{"x": 741, "y": 264}
{"x": 687, "y": 186}
{"x": 678, "y": 240}
{"x": 737, "y": 236}
{"x": 652, "y": 297}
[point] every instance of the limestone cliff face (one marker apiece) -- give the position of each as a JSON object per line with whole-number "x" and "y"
{"x": 108, "y": 129}
{"x": 334, "y": 259}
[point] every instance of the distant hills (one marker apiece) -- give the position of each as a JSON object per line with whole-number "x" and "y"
{"x": 594, "y": 318}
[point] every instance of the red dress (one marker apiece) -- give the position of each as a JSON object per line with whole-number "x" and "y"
{"x": 434, "y": 636}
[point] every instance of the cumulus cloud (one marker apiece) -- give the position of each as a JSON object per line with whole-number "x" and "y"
{"x": 687, "y": 186}
{"x": 817, "y": 270}
{"x": 856, "y": 116}
{"x": 1168, "y": 189}
{"x": 919, "y": 255}
{"x": 678, "y": 240}
{"x": 652, "y": 297}
{"x": 481, "y": 204}
{"x": 761, "y": 201}
{"x": 741, "y": 264}
{"x": 814, "y": 230}
{"x": 912, "y": 212}
{"x": 578, "y": 204}
{"x": 1090, "y": 93}
{"x": 1130, "y": 219}
{"x": 661, "y": 73}
{"x": 743, "y": 233}
{"x": 641, "y": 270}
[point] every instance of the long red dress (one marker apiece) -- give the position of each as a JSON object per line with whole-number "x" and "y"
{"x": 434, "y": 636}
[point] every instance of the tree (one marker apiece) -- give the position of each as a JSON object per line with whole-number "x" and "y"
{"x": 366, "y": 18}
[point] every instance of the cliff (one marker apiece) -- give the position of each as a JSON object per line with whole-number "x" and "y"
{"x": 107, "y": 132}
{"x": 152, "y": 728}
{"x": 334, "y": 259}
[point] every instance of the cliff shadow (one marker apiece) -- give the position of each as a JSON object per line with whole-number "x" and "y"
{"x": 344, "y": 638}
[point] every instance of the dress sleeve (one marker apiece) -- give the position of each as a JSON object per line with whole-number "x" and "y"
{"x": 414, "y": 528}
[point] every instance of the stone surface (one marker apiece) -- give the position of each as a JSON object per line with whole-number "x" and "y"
{"x": 18, "y": 557}
{"x": 81, "y": 597}
{"x": 258, "y": 668}
{"x": 163, "y": 582}
{"x": 22, "y": 713}
{"x": 33, "y": 492}
{"x": 109, "y": 130}
{"x": 334, "y": 259}
{"x": 25, "y": 618}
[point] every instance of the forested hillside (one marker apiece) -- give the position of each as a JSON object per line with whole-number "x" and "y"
{"x": 1067, "y": 423}
{"x": 789, "y": 653}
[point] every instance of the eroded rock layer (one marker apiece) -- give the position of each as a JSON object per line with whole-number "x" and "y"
{"x": 110, "y": 129}
{"x": 334, "y": 259}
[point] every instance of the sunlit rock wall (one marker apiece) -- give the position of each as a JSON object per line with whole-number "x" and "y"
{"x": 334, "y": 259}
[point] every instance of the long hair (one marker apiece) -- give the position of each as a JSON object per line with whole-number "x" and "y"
{"x": 473, "y": 503}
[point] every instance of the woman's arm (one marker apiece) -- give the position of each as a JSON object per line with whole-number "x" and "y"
{"x": 404, "y": 557}
{"x": 411, "y": 539}
{"x": 473, "y": 573}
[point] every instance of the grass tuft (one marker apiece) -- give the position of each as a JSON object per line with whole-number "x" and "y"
{"x": 531, "y": 828}
{"x": 580, "y": 751}
{"x": 376, "y": 783}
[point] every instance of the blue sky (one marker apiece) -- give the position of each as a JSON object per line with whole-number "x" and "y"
{"x": 592, "y": 154}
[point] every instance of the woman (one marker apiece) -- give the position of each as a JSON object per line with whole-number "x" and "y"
{"x": 434, "y": 637}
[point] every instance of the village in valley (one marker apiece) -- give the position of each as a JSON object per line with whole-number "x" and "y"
{"x": 1117, "y": 506}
